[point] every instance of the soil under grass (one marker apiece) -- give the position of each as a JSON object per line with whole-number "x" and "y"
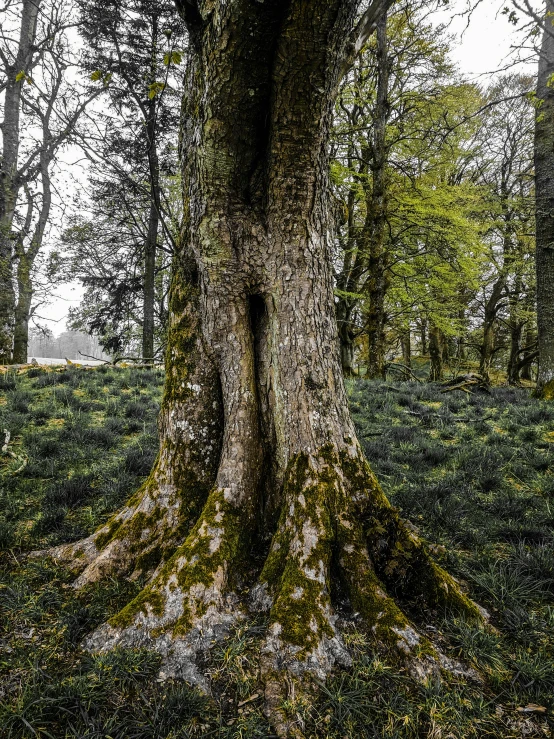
{"x": 475, "y": 474}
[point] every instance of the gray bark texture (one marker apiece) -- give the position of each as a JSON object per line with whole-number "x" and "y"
{"x": 544, "y": 188}
{"x": 151, "y": 242}
{"x": 10, "y": 182}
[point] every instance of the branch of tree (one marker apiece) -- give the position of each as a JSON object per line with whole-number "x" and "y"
{"x": 363, "y": 31}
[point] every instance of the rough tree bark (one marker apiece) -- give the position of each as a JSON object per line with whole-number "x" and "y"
{"x": 10, "y": 182}
{"x": 258, "y": 450}
{"x": 151, "y": 242}
{"x": 378, "y": 280}
{"x": 544, "y": 189}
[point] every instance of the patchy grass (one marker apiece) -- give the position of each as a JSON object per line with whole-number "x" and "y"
{"x": 474, "y": 473}
{"x": 86, "y": 438}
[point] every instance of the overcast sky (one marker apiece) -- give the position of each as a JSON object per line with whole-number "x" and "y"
{"x": 485, "y": 44}
{"x": 481, "y": 48}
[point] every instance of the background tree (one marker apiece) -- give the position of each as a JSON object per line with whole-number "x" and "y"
{"x": 506, "y": 172}
{"x": 104, "y": 249}
{"x": 40, "y": 107}
{"x": 430, "y": 221}
{"x": 18, "y": 61}
{"x": 133, "y": 48}
{"x": 544, "y": 184}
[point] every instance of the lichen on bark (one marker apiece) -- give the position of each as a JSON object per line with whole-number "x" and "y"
{"x": 259, "y": 460}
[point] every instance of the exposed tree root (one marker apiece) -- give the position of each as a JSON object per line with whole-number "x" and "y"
{"x": 335, "y": 523}
{"x": 145, "y": 533}
{"x": 137, "y": 538}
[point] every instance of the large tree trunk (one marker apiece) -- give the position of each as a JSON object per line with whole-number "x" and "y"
{"x": 544, "y": 188}
{"x": 272, "y": 462}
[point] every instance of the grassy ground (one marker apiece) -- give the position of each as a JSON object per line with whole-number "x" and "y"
{"x": 473, "y": 472}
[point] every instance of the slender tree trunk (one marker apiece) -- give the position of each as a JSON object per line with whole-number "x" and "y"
{"x": 436, "y": 354}
{"x": 406, "y": 344}
{"x": 149, "y": 289}
{"x": 151, "y": 243}
{"x": 348, "y": 283}
{"x": 445, "y": 349}
{"x": 544, "y": 188}
{"x": 487, "y": 348}
{"x": 461, "y": 351}
{"x": 516, "y": 333}
{"x": 273, "y": 462}
{"x": 26, "y": 257}
{"x": 346, "y": 339}
{"x": 526, "y": 372}
{"x": 7, "y": 292}
{"x": 22, "y": 310}
{"x": 489, "y": 326}
{"x": 9, "y": 177}
{"x": 530, "y": 355}
{"x": 423, "y": 337}
{"x": 378, "y": 281}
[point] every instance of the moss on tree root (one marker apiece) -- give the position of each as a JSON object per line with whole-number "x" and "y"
{"x": 333, "y": 503}
{"x": 335, "y": 522}
{"x": 201, "y": 569}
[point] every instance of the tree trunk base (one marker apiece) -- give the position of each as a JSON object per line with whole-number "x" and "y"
{"x": 545, "y": 391}
{"x": 336, "y": 525}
